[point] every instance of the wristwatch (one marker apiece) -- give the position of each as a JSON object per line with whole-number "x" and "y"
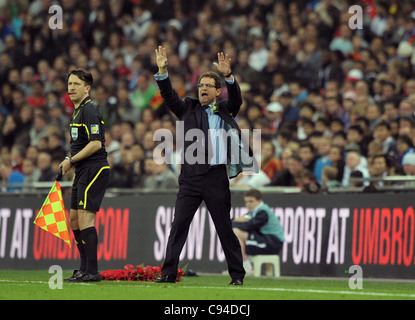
{"x": 70, "y": 160}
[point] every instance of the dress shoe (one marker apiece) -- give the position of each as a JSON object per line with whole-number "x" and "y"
{"x": 166, "y": 279}
{"x": 87, "y": 277}
{"x": 76, "y": 276}
{"x": 237, "y": 282}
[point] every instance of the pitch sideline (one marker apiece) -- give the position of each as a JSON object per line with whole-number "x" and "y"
{"x": 316, "y": 291}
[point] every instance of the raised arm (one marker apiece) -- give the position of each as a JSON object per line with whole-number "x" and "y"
{"x": 170, "y": 96}
{"x": 234, "y": 92}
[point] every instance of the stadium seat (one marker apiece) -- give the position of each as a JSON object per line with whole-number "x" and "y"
{"x": 259, "y": 260}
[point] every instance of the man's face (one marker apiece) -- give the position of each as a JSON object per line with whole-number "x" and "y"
{"x": 251, "y": 203}
{"x": 352, "y": 160}
{"x": 381, "y": 133}
{"x": 207, "y": 94}
{"x": 77, "y": 89}
{"x": 305, "y": 154}
{"x": 379, "y": 166}
{"x": 294, "y": 166}
{"x": 405, "y": 108}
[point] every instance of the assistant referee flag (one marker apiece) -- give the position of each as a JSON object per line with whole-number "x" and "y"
{"x": 51, "y": 216}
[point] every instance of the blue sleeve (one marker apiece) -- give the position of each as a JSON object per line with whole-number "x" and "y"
{"x": 231, "y": 81}
{"x": 160, "y": 77}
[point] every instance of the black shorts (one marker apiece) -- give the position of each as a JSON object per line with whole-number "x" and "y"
{"x": 88, "y": 189}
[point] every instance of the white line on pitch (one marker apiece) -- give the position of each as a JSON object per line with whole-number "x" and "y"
{"x": 351, "y": 292}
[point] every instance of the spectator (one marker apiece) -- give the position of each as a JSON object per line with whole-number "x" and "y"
{"x": 44, "y": 163}
{"x": 286, "y": 177}
{"x": 244, "y": 70}
{"x": 379, "y": 82}
{"x": 17, "y": 154}
{"x": 125, "y": 109}
{"x": 355, "y": 135}
{"x": 9, "y": 131}
{"x": 330, "y": 178}
{"x": 10, "y": 176}
{"x": 123, "y": 174}
{"x": 307, "y": 155}
{"x": 291, "y": 113}
{"x": 408, "y": 164}
{"x": 279, "y": 84}
{"x": 32, "y": 174}
{"x": 259, "y": 55}
{"x": 336, "y": 158}
{"x": 306, "y": 181}
{"x": 274, "y": 113}
{"x": 391, "y": 110}
{"x": 145, "y": 91}
{"x": 404, "y": 145}
{"x": 354, "y": 162}
{"x": 269, "y": 163}
{"x": 406, "y": 108}
{"x": 37, "y": 98}
{"x": 39, "y": 129}
{"x": 356, "y": 175}
{"x": 323, "y": 158}
{"x": 382, "y": 134}
{"x": 405, "y": 125}
{"x": 305, "y": 127}
{"x": 379, "y": 168}
{"x": 374, "y": 115}
{"x": 344, "y": 41}
{"x": 55, "y": 146}
{"x": 374, "y": 148}
{"x": 159, "y": 176}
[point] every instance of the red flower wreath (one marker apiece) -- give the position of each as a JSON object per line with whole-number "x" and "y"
{"x": 142, "y": 273}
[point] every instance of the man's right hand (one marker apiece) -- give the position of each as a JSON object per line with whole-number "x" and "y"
{"x": 161, "y": 59}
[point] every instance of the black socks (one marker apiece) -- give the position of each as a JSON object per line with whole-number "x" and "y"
{"x": 87, "y": 242}
{"x": 81, "y": 249}
{"x": 90, "y": 241}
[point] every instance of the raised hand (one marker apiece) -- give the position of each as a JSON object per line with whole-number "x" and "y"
{"x": 224, "y": 63}
{"x": 161, "y": 59}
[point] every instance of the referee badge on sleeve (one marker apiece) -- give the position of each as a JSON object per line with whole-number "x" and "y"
{"x": 74, "y": 133}
{"x": 94, "y": 129}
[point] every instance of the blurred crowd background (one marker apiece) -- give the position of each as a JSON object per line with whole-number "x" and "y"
{"x": 332, "y": 101}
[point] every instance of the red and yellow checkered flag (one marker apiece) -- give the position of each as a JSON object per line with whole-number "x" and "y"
{"x": 51, "y": 216}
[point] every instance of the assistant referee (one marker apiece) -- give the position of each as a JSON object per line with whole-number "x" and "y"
{"x": 92, "y": 173}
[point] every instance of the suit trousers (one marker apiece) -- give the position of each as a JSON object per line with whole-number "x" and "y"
{"x": 212, "y": 188}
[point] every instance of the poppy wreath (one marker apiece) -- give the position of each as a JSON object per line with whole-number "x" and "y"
{"x": 140, "y": 273}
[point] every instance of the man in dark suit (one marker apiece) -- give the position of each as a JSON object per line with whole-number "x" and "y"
{"x": 206, "y": 170}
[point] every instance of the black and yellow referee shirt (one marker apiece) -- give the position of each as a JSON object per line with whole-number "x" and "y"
{"x": 87, "y": 125}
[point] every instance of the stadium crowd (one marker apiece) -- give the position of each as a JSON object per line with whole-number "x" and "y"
{"x": 332, "y": 101}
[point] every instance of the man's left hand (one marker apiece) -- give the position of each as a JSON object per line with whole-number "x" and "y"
{"x": 224, "y": 63}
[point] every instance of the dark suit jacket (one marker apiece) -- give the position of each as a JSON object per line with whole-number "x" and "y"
{"x": 190, "y": 111}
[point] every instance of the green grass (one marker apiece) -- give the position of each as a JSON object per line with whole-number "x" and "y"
{"x": 33, "y": 285}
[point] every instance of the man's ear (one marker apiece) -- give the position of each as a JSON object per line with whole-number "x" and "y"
{"x": 218, "y": 92}
{"x": 88, "y": 88}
